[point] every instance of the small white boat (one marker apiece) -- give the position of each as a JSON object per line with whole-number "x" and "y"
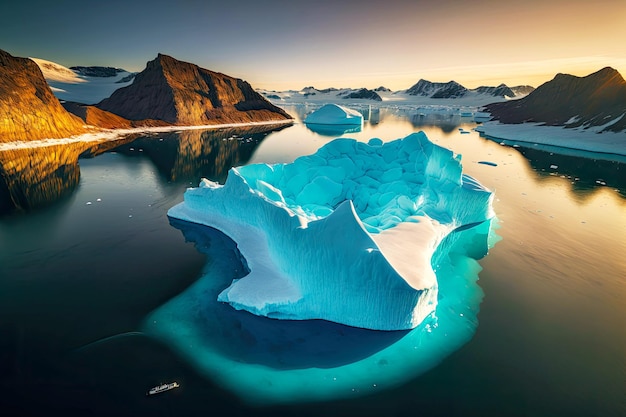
{"x": 162, "y": 388}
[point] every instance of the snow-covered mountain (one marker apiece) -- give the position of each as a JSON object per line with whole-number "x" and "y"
{"x": 500, "y": 91}
{"x": 70, "y": 85}
{"x": 453, "y": 89}
{"x": 57, "y": 72}
{"x": 426, "y": 88}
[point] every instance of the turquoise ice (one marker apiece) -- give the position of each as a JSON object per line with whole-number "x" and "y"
{"x": 345, "y": 197}
{"x": 347, "y": 234}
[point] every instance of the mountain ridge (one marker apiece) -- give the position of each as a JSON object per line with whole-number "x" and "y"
{"x": 595, "y": 100}
{"x": 182, "y": 93}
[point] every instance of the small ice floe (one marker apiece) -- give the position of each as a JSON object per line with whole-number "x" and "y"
{"x": 600, "y": 182}
{"x": 554, "y": 166}
{"x": 493, "y": 164}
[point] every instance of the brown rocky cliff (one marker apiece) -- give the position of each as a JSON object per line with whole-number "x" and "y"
{"x": 94, "y": 116}
{"x": 184, "y": 94}
{"x": 28, "y": 109}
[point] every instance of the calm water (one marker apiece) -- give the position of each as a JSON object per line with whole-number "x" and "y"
{"x": 94, "y": 254}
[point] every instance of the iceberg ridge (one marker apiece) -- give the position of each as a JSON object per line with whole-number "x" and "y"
{"x": 346, "y": 234}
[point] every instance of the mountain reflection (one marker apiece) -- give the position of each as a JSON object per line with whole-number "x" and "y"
{"x": 36, "y": 177}
{"x": 189, "y": 155}
{"x": 586, "y": 174}
{"x": 445, "y": 121}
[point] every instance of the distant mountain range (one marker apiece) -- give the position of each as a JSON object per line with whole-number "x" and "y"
{"x": 422, "y": 89}
{"x": 98, "y": 71}
{"x": 452, "y": 89}
{"x": 596, "y": 100}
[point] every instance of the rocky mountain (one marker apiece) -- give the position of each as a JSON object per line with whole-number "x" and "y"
{"x": 28, "y": 109}
{"x": 426, "y": 88}
{"x": 127, "y": 78}
{"x": 522, "y": 90}
{"x": 500, "y": 91}
{"x": 182, "y": 93}
{"x": 97, "y": 71}
{"x": 94, "y": 116}
{"x": 331, "y": 93}
{"x": 452, "y": 89}
{"x": 598, "y": 99}
{"x": 363, "y": 93}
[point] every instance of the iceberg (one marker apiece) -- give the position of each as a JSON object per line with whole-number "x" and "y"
{"x": 348, "y": 234}
{"x": 266, "y": 362}
{"x": 334, "y": 114}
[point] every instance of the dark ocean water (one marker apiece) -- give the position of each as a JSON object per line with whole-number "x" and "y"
{"x": 92, "y": 253}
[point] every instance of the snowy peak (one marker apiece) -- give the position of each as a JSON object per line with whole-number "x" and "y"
{"x": 57, "y": 72}
{"x": 598, "y": 99}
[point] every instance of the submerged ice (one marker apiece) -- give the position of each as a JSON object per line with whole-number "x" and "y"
{"x": 349, "y": 234}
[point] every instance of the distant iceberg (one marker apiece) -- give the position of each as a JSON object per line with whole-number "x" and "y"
{"x": 347, "y": 234}
{"x": 334, "y": 114}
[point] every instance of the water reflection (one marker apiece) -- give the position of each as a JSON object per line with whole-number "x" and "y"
{"x": 192, "y": 154}
{"x": 36, "y": 177}
{"x": 586, "y": 175}
{"x": 446, "y": 122}
{"x": 332, "y": 130}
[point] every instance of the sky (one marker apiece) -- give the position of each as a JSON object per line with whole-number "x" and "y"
{"x": 282, "y": 44}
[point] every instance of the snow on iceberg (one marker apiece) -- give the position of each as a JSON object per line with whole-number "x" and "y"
{"x": 346, "y": 234}
{"x": 334, "y": 114}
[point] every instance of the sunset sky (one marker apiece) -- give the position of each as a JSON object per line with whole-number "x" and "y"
{"x": 282, "y": 44}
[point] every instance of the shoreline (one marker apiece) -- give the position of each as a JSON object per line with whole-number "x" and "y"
{"x": 606, "y": 145}
{"x": 104, "y": 135}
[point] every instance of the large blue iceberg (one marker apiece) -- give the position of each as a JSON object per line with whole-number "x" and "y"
{"x": 347, "y": 234}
